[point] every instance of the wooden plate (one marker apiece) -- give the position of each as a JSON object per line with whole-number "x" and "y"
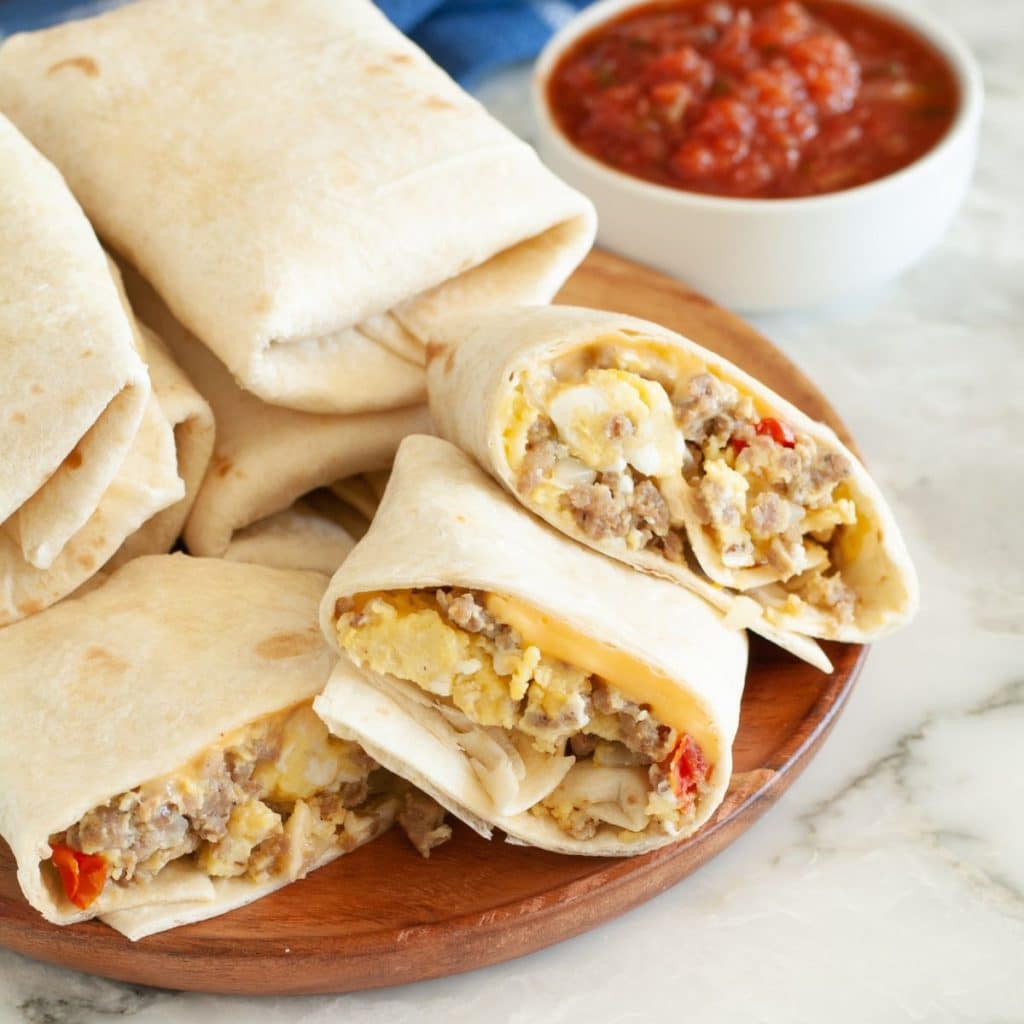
{"x": 381, "y": 916}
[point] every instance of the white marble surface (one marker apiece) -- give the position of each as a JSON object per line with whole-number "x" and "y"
{"x": 888, "y": 884}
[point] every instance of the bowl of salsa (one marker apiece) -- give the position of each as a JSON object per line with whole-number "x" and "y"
{"x": 774, "y": 153}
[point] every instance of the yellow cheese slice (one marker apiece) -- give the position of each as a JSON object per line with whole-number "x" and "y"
{"x": 639, "y": 682}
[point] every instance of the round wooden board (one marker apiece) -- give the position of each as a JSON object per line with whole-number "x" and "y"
{"x": 381, "y": 915}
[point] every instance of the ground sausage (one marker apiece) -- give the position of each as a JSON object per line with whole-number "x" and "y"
{"x": 422, "y": 820}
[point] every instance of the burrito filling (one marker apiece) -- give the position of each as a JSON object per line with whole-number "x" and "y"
{"x": 627, "y": 443}
{"x": 269, "y": 803}
{"x": 563, "y": 734}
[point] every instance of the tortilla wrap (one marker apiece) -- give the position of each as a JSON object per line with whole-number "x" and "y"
{"x": 310, "y": 238}
{"x": 265, "y": 457}
{"x": 362, "y": 493}
{"x": 130, "y": 683}
{"x": 486, "y": 361}
{"x": 300, "y": 537}
{"x": 481, "y": 540}
{"x": 191, "y": 422}
{"x": 67, "y": 347}
{"x": 145, "y": 486}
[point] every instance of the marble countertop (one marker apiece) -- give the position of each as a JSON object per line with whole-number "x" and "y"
{"x": 888, "y": 883}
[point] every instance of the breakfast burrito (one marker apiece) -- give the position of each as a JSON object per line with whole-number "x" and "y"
{"x": 522, "y": 681}
{"x": 266, "y": 458}
{"x": 68, "y": 349}
{"x": 141, "y": 508}
{"x": 645, "y": 446}
{"x": 160, "y": 762}
{"x": 311, "y": 237}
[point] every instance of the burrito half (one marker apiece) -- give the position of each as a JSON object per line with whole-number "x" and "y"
{"x": 521, "y": 680}
{"x": 643, "y": 445}
{"x": 160, "y": 762}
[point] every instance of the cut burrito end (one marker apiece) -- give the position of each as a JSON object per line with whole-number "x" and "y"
{"x": 556, "y": 725}
{"x": 524, "y": 682}
{"x": 660, "y": 453}
{"x": 161, "y": 761}
{"x": 269, "y": 803}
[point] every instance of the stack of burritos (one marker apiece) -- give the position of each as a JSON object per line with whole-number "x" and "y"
{"x": 254, "y": 612}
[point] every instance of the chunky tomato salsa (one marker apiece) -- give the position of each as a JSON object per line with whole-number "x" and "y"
{"x": 754, "y": 98}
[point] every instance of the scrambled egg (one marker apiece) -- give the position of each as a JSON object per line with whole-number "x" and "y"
{"x": 404, "y": 635}
{"x": 730, "y": 490}
{"x": 650, "y": 442}
{"x": 518, "y": 420}
{"x": 311, "y": 760}
{"x": 249, "y": 825}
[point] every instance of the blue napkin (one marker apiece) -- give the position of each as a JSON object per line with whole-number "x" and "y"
{"x": 471, "y": 38}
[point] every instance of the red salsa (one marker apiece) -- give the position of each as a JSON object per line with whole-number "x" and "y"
{"x": 756, "y": 98}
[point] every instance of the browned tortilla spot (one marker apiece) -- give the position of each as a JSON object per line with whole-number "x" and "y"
{"x": 86, "y": 65}
{"x": 439, "y": 103}
{"x": 36, "y": 389}
{"x": 288, "y": 645}
{"x": 264, "y": 304}
{"x": 434, "y": 350}
{"x": 99, "y": 659}
{"x": 86, "y": 562}
{"x": 86, "y": 353}
{"x": 17, "y": 417}
{"x": 222, "y": 465}
{"x": 30, "y": 607}
{"x": 74, "y": 459}
{"x": 99, "y": 542}
{"x": 401, "y": 58}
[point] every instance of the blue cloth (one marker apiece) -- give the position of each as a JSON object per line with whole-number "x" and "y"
{"x": 469, "y": 38}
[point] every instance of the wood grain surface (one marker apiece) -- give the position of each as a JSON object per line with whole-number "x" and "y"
{"x": 382, "y": 916}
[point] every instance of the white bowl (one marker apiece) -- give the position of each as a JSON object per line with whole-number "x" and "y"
{"x": 769, "y": 254}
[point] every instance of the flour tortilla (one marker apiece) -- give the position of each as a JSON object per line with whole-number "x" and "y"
{"x": 130, "y": 682}
{"x": 265, "y": 457}
{"x": 444, "y": 522}
{"x": 311, "y": 235}
{"x": 73, "y": 389}
{"x": 477, "y": 361}
{"x": 362, "y": 493}
{"x": 191, "y": 422}
{"x": 300, "y": 537}
{"x": 127, "y": 519}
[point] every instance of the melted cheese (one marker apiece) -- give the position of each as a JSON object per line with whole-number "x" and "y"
{"x": 633, "y": 678}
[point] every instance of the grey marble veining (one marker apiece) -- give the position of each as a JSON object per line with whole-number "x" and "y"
{"x": 888, "y": 885}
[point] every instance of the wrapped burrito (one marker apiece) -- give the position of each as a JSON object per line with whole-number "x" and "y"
{"x": 521, "y": 680}
{"x": 67, "y": 346}
{"x": 266, "y": 457}
{"x": 309, "y": 237}
{"x": 645, "y": 446}
{"x": 140, "y": 509}
{"x": 159, "y": 759}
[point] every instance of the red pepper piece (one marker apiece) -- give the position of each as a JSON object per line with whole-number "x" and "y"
{"x": 687, "y": 768}
{"x": 83, "y": 874}
{"x": 777, "y": 431}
